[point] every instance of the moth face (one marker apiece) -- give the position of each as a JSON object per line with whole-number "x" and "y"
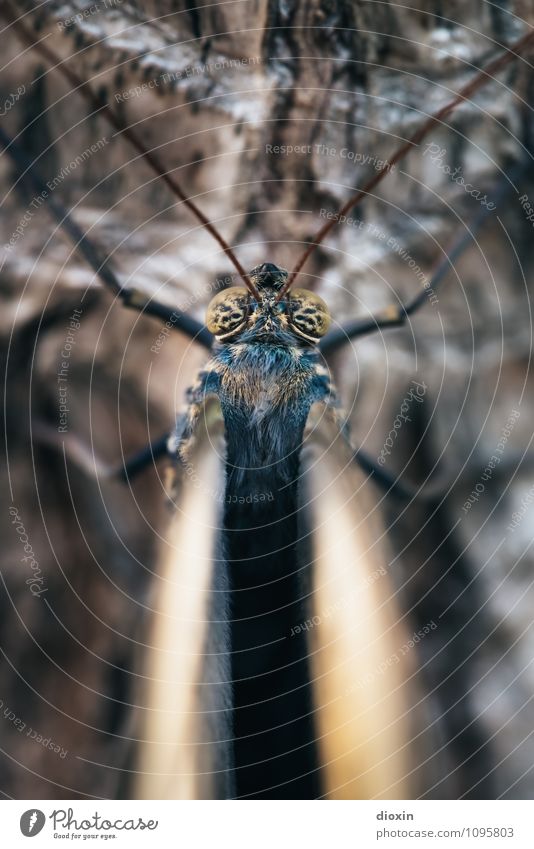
{"x": 234, "y": 311}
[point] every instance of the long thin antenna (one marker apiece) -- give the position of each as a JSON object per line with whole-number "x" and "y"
{"x": 484, "y": 76}
{"x": 9, "y": 13}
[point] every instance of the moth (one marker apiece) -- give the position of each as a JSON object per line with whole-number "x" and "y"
{"x": 272, "y": 618}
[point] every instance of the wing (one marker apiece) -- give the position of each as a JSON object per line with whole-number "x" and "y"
{"x": 361, "y": 664}
{"x": 185, "y": 704}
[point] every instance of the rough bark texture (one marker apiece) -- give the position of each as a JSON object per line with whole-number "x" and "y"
{"x": 347, "y": 81}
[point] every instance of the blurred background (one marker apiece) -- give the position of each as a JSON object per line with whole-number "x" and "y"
{"x": 271, "y": 113}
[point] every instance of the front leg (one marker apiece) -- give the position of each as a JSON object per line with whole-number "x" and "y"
{"x": 100, "y": 264}
{"x": 397, "y": 315}
{"x": 138, "y": 300}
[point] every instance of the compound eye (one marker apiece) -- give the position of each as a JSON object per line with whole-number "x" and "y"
{"x": 227, "y": 312}
{"x": 309, "y": 315}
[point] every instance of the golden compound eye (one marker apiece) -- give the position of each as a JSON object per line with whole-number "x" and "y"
{"x": 227, "y": 312}
{"x": 309, "y": 315}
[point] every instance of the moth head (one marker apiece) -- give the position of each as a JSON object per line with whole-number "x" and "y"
{"x": 235, "y": 310}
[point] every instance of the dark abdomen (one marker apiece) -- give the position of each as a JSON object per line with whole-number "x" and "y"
{"x": 274, "y": 741}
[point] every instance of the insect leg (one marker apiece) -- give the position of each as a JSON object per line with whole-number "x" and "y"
{"x": 193, "y": 329}
{"x": 82, "y": 456}
{"x": 141, "y": 459}
{"x": 397, "y": 315}
{"x": 131, "y": 297}
{"x": 392, "y": 484}
{"x": 394, "y": 315}
{"x": 171, "y": 445}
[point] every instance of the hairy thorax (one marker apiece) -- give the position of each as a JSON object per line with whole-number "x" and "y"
{"x": 266, "y": 391}
{"x": 261, "y": 376}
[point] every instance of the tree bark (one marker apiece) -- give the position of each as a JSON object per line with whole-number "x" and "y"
{"x": 269, "y": 114}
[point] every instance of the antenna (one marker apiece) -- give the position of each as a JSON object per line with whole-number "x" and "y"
{"x": 100, "y": 106}
{"x": 484, "y": 76}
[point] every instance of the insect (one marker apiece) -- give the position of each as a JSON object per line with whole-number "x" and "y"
{"x": 246, "y": 699}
